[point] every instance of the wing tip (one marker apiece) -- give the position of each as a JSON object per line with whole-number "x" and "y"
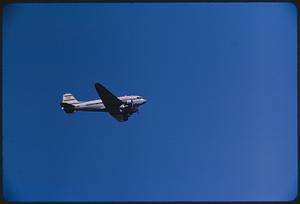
{"x": 97, "y": 85}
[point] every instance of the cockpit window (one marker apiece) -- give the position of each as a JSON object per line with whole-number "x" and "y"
{"x": 139, "y": 97}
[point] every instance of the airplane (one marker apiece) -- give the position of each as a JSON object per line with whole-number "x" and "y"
{"x": 119, "y": 107}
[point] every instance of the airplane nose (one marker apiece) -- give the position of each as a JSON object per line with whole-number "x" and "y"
{"x": 144, "y": 101}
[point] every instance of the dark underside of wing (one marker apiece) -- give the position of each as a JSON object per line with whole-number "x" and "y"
{"x": 120, "y": 117}
{"x": 112, "y": 103}
{"x": 109, "y": 100}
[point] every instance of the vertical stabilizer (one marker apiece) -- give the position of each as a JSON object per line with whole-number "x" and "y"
{"x": 69, "y": 99}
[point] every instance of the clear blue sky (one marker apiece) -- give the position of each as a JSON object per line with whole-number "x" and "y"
{"x": 220, "y": 122}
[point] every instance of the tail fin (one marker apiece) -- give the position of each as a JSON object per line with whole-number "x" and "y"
{"x": 69, "y": 99}
{"x": 68, "y": 103}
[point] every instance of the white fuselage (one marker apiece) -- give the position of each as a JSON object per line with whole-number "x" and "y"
{"x": 97, "y": 105}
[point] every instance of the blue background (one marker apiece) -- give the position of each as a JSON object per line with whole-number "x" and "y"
{"x": 220, "y": 123}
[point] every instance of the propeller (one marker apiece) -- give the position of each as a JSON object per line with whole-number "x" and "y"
{"x": 131, "y": 103}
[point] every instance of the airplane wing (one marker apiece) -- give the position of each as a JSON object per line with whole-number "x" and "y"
{"x": 120, "y": 117}
{"x": 109, "y": 100}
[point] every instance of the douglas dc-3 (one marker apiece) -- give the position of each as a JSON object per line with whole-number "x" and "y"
{"x": 119, "y": 107}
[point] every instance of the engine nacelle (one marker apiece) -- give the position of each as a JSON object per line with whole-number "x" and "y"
{"x": 123, "y": 106}
{"x": 128, "y": 108}
{"x": 129, "y": 102}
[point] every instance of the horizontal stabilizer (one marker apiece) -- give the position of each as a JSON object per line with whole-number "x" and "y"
{"x": 68, "y": 108}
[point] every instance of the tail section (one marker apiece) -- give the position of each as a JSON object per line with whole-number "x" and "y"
{"x": 68, "y": 103}
{"x": 70, "y": 99}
